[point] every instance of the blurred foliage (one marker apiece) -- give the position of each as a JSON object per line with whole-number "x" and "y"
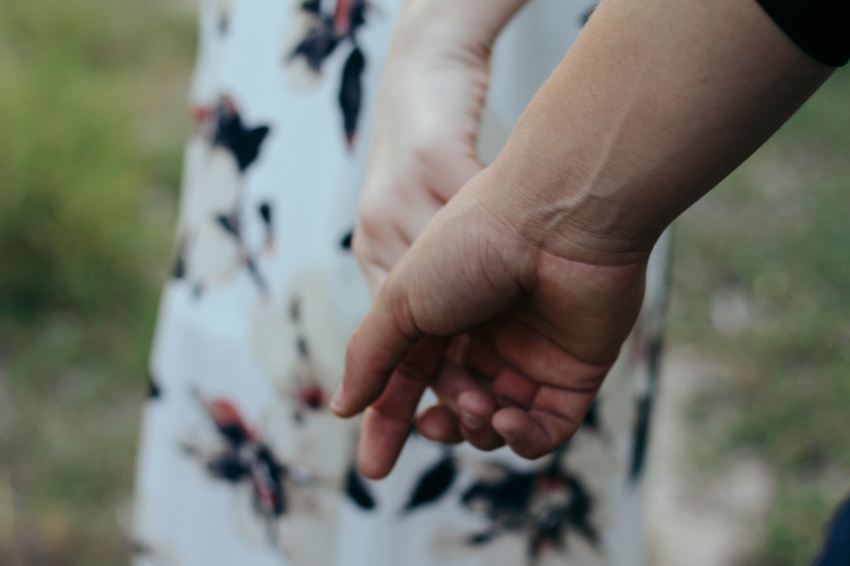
{"x": 72, "y": 208}
{"x": 91, "y": 105}
{"x": 776, "y": 235}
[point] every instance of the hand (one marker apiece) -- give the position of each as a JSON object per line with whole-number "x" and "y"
{"x": 423, "y": 149}
{"x": 534, "y": 332}
{"x": 531, "y": 277}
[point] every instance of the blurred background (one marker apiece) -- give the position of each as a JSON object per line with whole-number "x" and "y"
{"x": 750, "y": 453}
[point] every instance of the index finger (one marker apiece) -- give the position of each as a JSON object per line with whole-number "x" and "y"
{"x": 388, "y": 421}
{"x": 377, "y": 347}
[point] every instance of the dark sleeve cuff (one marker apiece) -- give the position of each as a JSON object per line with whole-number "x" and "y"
{"x": 821, "y": 28}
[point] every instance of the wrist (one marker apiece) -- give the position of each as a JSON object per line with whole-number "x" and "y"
{"x": 639, "y": 121}
{"x": 558, "y": 204}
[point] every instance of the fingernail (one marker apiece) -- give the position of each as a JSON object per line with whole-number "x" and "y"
{"x": 470, "y": 421}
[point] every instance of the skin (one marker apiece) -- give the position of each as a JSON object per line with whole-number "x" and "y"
{"x": 423, "y": 149}
{"x": 513, "y": 300}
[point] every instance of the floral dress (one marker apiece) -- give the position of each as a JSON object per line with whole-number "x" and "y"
{"x": 241, "y": 462}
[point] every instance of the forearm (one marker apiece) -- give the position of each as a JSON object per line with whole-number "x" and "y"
{"x": 655, "y": 104}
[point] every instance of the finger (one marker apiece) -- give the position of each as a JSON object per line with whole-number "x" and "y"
{"x": 462, "y": 393}
{"x": 456, "y": 352}
{"x": 508, "y": 387}
{"x": 377, "y": 240}
{"x": 511, "y": 388}
{"x": 378, "y": 345}
{"x": 476, "y": 412}
{"x": 540, "y": 359}
{"x": 375, "y": 276}
{"x": 387, "y": 228}
{"x": 439, "y": 424}
{"x": 435, "y": 286}
{"x": 476, "y": 408}
{"x": 522, "y": 432}
{"x": 451, "y": 382}
{"x": 387, "y": 422}
{"x": 554, "y": 417}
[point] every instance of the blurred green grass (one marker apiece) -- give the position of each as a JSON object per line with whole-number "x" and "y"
{"x": 776, "y": 236}
{"x": 90, "y": 110}
{"x": 91, "y": 113}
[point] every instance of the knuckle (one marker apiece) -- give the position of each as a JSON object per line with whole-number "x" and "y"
{"x": 428, "y": 141}
{"x": 376, "y": 218}
{"x": 371, "y": 218}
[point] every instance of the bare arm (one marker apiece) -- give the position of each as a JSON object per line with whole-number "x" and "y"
{"x": 654, "y": 105}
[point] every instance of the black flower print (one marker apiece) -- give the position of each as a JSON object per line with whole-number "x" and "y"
{"x": 433, "y": 484}
{"x": 345, "y": 241}
{"x": 241, "y": 456}
{"x": 211, "y": 247}
{"x": 223, "y": 16}
{"x": 326, "y": 34}
{"x": 319, "y": 42}
{"x": 351, "y": 92}
{"x": 592, "y": 420}
{"x": 178, "y": 265}
{"x": 645, "y": 402}
{"x": 585, "y": 16}
{"x": 357, "y": 490}
{"x": 544, "y": 505}
{"x": 233, "y": 135}
{"x": 266, "y": 212}
{"x": 154, "y": 389}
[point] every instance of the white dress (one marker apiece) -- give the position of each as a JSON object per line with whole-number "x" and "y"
{"x": 241, "y": 463}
